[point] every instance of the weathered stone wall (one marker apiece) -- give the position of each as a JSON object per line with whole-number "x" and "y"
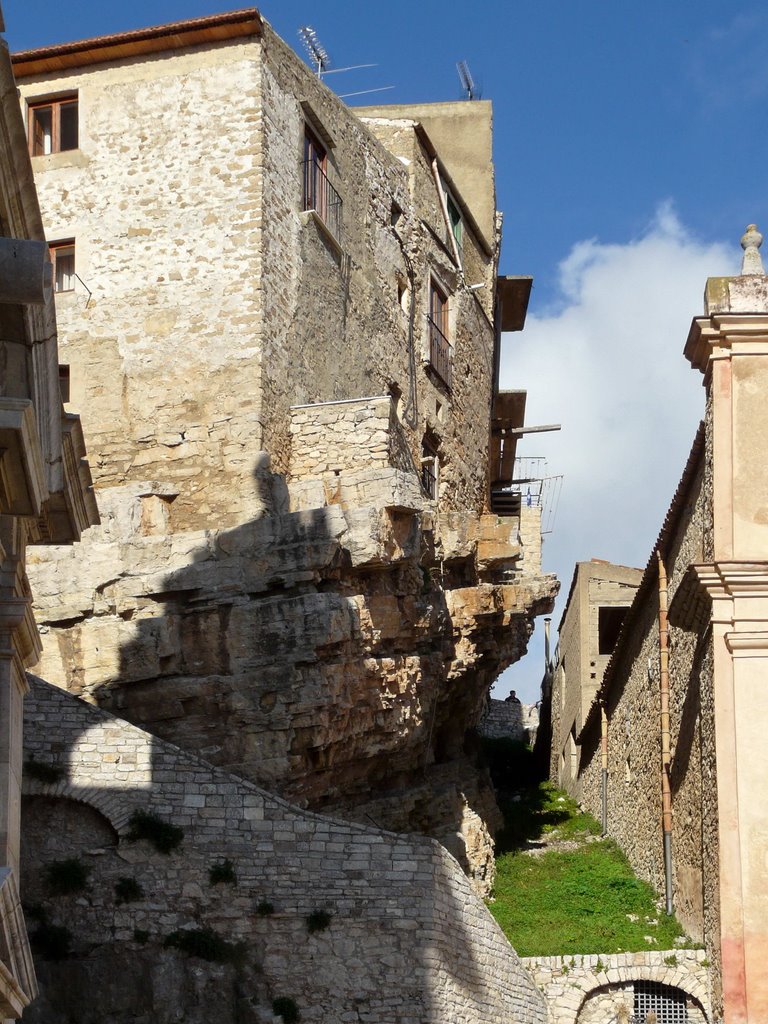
{"x": 591, "y": 989}
{"x": 162, "y": 200}
{"x": 634, "y": 745}
{"x": 334, "y": 437}
{"x": 581, "y": 666}
{"x": 503, "y": 718}
{"x": 406, "y": 942}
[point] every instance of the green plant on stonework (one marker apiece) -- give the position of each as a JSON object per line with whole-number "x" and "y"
{"x": 161, "y": 834}
{"x": 580, "y": 893}
{"x": 599, "y": 966}
{"x": 222, "y": 872}
{"x": 318, "y": 921}
{"x": 43, "y": 771}
{"x": 127, "y": 890}
{"x": 671, "y": 961}
{"x": 265, "y": 909}
{"x": 207, "y": 945}
{"x": 64, "y": 877}
{"x": 286, "y": 1008}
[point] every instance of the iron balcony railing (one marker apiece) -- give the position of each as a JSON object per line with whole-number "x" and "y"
{"x": 322, "y": 197}
{"x": 440, "y": 353}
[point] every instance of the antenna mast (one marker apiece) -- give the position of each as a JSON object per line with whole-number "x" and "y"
{"x": 467, "y": 82}
{"x": 317, "y": 53}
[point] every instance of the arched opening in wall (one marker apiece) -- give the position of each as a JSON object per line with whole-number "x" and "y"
{"x": 640, "y": 1002}
{"x": 57, "y": 830}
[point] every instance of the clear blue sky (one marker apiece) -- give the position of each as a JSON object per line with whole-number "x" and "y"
{"x": 630, "y": 153}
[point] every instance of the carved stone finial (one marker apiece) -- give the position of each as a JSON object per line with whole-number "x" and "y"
{"x": 751, "y": 241}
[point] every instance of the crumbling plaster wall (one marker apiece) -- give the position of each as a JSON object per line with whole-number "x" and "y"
{"x": 634, "y": 745}
{"x": 407, "y": 940}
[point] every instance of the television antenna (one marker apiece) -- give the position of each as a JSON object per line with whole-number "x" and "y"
{"x": 318, "y": 55}
{"x": 467, "y": 81}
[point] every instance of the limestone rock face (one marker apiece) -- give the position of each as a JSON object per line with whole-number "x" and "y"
{"x": 338, "y": 655}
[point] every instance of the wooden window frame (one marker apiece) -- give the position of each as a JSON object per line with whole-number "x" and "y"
{"x": 56, "y": 250}
{"x": 440, "y": 346}
{"x": 315, "y": 158}
{"x": 55, "y": 106}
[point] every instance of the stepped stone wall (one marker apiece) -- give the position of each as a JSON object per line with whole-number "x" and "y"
{"x": 407, "y": 940}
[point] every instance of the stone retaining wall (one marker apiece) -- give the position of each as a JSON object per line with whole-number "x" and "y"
{"x": 406, "y": 942}
{"x": 591, "y": 988}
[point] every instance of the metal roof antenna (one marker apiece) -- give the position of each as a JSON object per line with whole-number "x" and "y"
{"x": 318, "y": 55}
{"x": 467, "y": 81}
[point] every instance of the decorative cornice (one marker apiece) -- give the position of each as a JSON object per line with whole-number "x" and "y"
{"x": 714, "y": 337}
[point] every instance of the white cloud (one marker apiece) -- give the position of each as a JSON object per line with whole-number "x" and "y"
{"x": 607, "y": 362}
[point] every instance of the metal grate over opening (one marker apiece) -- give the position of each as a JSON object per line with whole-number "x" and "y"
{"x": 667, "y": 1003}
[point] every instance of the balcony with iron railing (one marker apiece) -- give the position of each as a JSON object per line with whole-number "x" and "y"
{"x": 440, "y": 353}
{"x": 321, "y": 197}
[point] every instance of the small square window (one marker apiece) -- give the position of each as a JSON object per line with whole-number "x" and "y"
{"x": 63, "y": 260}
{"x": 53, "y": 126}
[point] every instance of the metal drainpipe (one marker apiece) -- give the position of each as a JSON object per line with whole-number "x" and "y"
{"x": 604, "y": 760}
{"x": 666, "y": 792}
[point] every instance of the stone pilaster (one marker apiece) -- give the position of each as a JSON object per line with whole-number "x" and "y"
{"x": 730, "y": 346}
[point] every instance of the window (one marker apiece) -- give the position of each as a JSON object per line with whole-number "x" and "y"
{"x": 429, "y": 468}
{"x": 609, "y": 622}
{"x": 440, "y": 350}
{"x": 454, "y": 217}
{"x": 53, "y": 126}
{"x": 318, "y": 193}
{"x": 63, "y": 260}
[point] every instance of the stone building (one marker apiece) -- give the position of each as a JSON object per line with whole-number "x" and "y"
{"x": 680, "y": 717}
{"x": 598, "y": 599}
{"x": 312, "y": 564}
{"x": 45, "y": 494}
{"x": 284, "y": 318}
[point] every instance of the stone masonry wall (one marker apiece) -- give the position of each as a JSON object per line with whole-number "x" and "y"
{"x": 162, "y": 201}
{"x": 406, "y": 941}
{"x": 503, "y": 718}
{"x": 591, "y": 989}
{"x": 634, "y": 789}
{"x": 334, "y": 437}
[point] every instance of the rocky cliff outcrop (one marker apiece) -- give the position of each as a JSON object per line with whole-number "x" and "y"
{"x": 338, "y": 655}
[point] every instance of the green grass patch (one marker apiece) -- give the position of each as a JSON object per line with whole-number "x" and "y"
{"x": 570, "y": 900}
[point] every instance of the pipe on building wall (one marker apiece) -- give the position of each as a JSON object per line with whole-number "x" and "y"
{"x": 666, "y": 791}
{"x": 604, "y": 764}
{"x": 446, "y": 218}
